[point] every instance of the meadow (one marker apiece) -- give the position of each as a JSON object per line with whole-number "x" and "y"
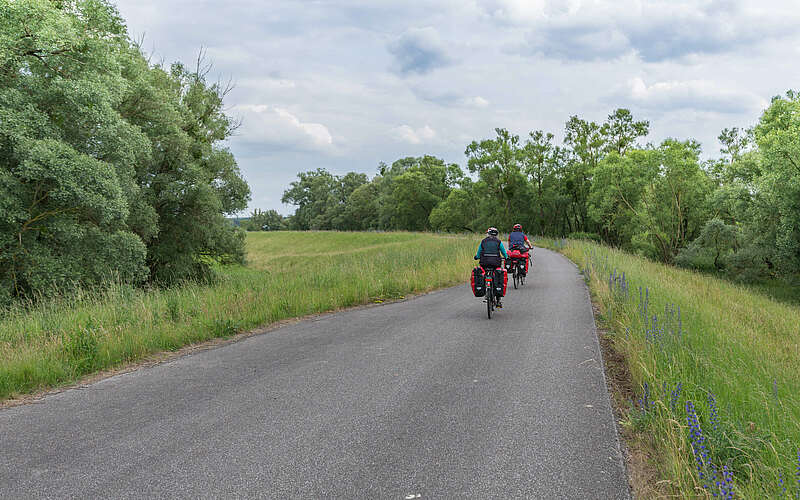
{"x": 715, "y": 369}
{"x": 287, "y": 275}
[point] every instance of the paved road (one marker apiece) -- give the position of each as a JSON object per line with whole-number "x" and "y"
{"x": 425, "y": 397}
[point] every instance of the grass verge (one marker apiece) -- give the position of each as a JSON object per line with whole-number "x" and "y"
{"x": 713, "y": 403}
{"x": 289, "y": 274}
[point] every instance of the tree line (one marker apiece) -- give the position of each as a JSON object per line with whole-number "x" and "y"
{"x": 111, "y": 167}
{"x": 738, "y": 213}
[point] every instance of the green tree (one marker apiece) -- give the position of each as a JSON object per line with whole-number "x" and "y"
{"x": 310, "y": 194}
{"x": 586, "y": 145}
{"x": 361, "y": 212}
{"x": 618, "y": 185}
{"x": 497, "y": 162}
{"x": 672, "y": 209}
{"x": 260, "y": 220}
{"x": 422, "y": 184}
{"x": 714, "y": 242}
{"x": 457, "y": 213}
{"x": 778, "y": 188}
{"x": 620, "y": 131}
{"x": 110, "y": 168}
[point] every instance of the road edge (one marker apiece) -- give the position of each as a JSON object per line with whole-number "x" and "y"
{"x": 163, "y": 357}
{"x": 604, "y": 349}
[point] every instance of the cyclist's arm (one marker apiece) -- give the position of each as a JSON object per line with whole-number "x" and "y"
{"x": 528, "y": 242}
{"x": 480, "y": 252}
{"x": 503, "y": 250}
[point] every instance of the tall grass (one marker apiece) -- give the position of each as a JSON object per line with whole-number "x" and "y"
{"x": 288, "y": 274}
{"x": 717, "y": 371}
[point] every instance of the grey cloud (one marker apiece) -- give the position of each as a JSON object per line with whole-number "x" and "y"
{"x": 580, "y": 42}
{"x": 419, "y": 50}
{"x": 656, "y": 31}
{"x": 449, "y": 98}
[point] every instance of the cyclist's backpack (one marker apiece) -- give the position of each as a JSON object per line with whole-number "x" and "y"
{"x": 478, "y": 282}
{"x": 500, "y": 281}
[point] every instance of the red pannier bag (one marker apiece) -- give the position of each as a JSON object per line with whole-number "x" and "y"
{"x": 516, "y": 254}
{"x": 477, "y": 281}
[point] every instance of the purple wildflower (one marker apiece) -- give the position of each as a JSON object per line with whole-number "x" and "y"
{"x": 712, "y": 409}
{"x": 697, "y": 439}
{"x": 675, "y": 394}
{"x": 797, "y": 474}
{"x": 726, "y": 487}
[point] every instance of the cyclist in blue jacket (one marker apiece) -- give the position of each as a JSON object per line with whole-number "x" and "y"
{"x": 490, "y": 253}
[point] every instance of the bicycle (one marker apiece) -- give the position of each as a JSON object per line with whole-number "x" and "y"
{"x": 491, "y": 298}
{"x": 517, "y": 269}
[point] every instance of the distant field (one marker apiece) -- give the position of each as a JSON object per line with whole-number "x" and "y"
{"x": 288, "y": 274}
{"x": 696, "y": 343}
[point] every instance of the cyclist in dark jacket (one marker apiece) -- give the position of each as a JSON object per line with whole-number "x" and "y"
{"x": 490, "y": 253}
{"x": 518, "y": 240}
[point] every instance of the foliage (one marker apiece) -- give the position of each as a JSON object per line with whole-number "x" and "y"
{"x": 270, "y": 220}
{"x": 110, "y": 168}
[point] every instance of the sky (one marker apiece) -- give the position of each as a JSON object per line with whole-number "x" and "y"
{"x": 347, "y": 84}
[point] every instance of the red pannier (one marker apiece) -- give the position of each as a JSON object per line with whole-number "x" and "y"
{"x": 516, "y": 254}
{"x": 477, "y": 281}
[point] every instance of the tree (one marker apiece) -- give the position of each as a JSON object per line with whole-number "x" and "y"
{"x": 270, "y": 220}
{"x": 716, "y": 239}
{"x": 778, "y": 188}
{"x": 310, "y": 193}
{"x": 110, "y": 168}
{"x": 672, "y": 208}
{"x": 361, "y": 212}
{"x": 620, "y": 131}
{"x": 618, "y": 185}
{"x": 497, "y": 163}
{"x": 457, "y": 213}
{"x": 586, "y": 144}
{"x": 542, "y": 162}
{"x": 423, "y": 183}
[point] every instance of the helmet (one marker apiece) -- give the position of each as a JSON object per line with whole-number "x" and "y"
{"x": 492, "y": 231}
{"x": 517, "y": 227}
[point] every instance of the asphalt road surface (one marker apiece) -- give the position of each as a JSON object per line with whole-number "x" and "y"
{"x": 425, "y": 398}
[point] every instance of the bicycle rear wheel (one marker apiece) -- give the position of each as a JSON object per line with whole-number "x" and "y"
{"x": 489, "y": 301}
{"x": 517, "y": 276}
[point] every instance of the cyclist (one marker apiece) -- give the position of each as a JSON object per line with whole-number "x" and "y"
{"x": 518, "y": 239}
{"x": 490, "y": 254}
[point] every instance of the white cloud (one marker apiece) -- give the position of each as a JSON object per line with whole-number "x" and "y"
{"x": 414, "y": 136}
{"x": 275, "y": 126}
{"x": 476, "y": 102}
{"x": 699, "y": 95}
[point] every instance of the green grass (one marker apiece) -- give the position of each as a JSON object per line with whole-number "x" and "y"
{"x": 743, "y": 347}
{"x": 288, "y": 274}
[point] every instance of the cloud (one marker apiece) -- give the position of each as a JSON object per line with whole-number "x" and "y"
{"x": 418, "y": 50}
{"x": 698, "y": 95}
{"x": 476, "y": 102}
{"x": 449, "y": 99}
{"x": 407, "y": 134}
{"x": 655, "y": 30}
{"x": 278, "y": 128}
